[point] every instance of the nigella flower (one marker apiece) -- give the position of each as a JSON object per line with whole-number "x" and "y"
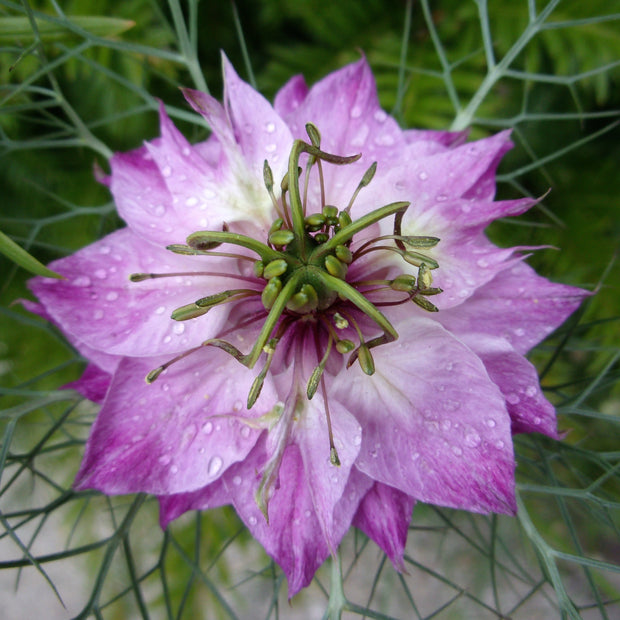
{"x": 327, "y": 335}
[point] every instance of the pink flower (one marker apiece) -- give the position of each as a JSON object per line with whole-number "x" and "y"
{"x": 315, "y": 366}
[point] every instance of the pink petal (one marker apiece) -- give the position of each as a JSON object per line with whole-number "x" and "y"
{"x": 326, "y": 482}
{"x": 517, "y": 378}
{"x": 98, "y": 306}
{"x": 178, "y": 434}
{"x": 442, "y": 434}
{"x": 384, "y": 516}
{"x": 93, "y": 384}
{"x": 518, "y": 305}
{"x": 290, "y": 96}
{"x": 213, "y": 495}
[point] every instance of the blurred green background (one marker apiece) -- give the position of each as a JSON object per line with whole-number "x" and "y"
{"x": 77, "y": 90}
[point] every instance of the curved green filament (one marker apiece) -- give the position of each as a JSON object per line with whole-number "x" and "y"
{"x": 205, "y": 237}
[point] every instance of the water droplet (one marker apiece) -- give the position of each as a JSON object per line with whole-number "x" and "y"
{"x": 82, "y": 281}
{"x": 159, "y": 210}
{"x": 270, "y": 148}
{"x": 167, "y": 339}
{"x": 482, "y": 262}
{"x": 499, "y": 444}
{"x": 356, "y": 111}
{"x": 174, "y": 469}
{"x": 531, "y": 391}
{"x": 380, "y": 116}
{"x": 491, "y": 423}
{"x": 449, "y": 366}
{"x": 237, "y": 480}
{"x": 105, "y": 249}
{"x": 238, "y": 405}
{"x": 160, "y": 310}
{"x": 252, "y": 520}
{"x": 166, "y": 171}
{"x": 207, "y": 428}
{"x": 112, "y": 296}
{"x": 178, "y": 328}
{"x": 472, "y": 439}
{"x": 441, "y": 198}
{"x": 537, "y": 420}
{"x": 215, "y": 465}
{"x": 357, "y": 440}
{"x": 245, "y": 431}
{"x": 191, "y": 201}
{"x": 307, "y": 514}
{"x": 446, "y": 424}
{"x": 423, "y": 176}
{"x": 137, "y": 438}
{"x": 385, "y": 139}
{"x": 165, "y": 387}
{"x": 465, "y": 208}
{"x": 457, "y": 451}
{"x": 164, "y": 459}
{"x": 98, "y": 315}
{"x": 519, "y": 331}
{"x": 512, "y": 398}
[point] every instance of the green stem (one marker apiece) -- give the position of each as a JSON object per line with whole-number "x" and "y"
{"x": 195, "y": 240}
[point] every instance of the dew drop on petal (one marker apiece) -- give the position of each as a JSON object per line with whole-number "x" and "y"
{"x": 191, "y": 201}
{"x": 512, "y": 398}
{"x": 530, "y": 391}
{"x": 270, "y": 127}
{"x": 270, "y": 148}
{"x": 380, "y": 116}
{"x": 482, "y": 262}
{"x": 82, "y": 281}
{"x": 174, "y": 469}
{"x": 112, "y": 296}
{"x": 357, "y": 440}
{"x": 423, "y": 176}
{"x": 237, "y": 481}
{"x": 214, "y": 467}
{"x": 472, "y": 439}
{"x": 537, "y": 420}
{"x": 307, "y": 514}
{"x": 491, "y": 423}
{"x": 105, "y": 249}
{"x": 160, "y": 310}
{"x": 159, "y": 210}
{"x": 98, "y": 315}
{"x": 252, "y": 520}
{"x": 164, "y": 459}
{"x": 166, "y": 171}
{"x": 245, "y": 431}
{"x": 207, "y": 428}
{"x": 167, "y": 339}
{"x": 499, "y": 444}
{"x": 238, "y": 405}
{"x": 178, "y": 328}
{"x": 356, "y": 111}
{"x": 457, "y": 451}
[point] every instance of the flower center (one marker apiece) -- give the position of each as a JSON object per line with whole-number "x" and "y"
{"x": 302, "y": 272}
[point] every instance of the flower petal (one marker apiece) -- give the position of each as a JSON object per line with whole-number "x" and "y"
{"x": 434, "y": 425}
{"x": 176, "y": 435}
{"x": 99, "y": 306}
{"x": 517, "y": 378}
{"x": 93, "y": 384}
{"x": 290, "y": 96}
{"x": 518, "y": 305}
{"x": 384, "y": 516}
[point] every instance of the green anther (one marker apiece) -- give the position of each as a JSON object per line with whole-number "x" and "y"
{"x": 335, "y": 267}
{"x": 340, "y": 322}
{"x": 154, "y": 374}
{"x": 314, "y": 134}
{"x": 305, "y": 300}
{"x": 345, "y": 346}
{"x": 270, "y": 292}
{"x": 315, "y": 222}
{"x": 425, "y": 277}
{"x": 424, "y": 303}
{"x": 321, "y": 238}
{"x": 365, "y": 359}
{"x": 333, "y": 457}
{"x": 267, "y": 176}
{"x": 344, "y": 219}
{"x": 404, "y": 282}
{"x": 421, "y": 242}
{"x": 277, "y": 225}
{"x": 417, "y": 259}
{"x": 329, "y": 211}
{"x": 343, "y": 254}
{"x": 214, "y": 300}
{"x": 190, "y": 311}
{"x": 313, "y": 382}
{"x": 368, "y": 175}
{"x": 431, "y": 291}
{"x": 275, "y": 268}
{"x": 140, "y": 277}
{"x": 259, "y": 267}
{"x": 280, "y": 238}
{"x": 185, "y": 250}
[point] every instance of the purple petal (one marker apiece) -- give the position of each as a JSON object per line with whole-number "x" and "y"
{"x": 517, "y": 378}
{"x": 260, "y": 131}
{"x": 384, "y": 515}
{"x": 517, "y": 305}
{"x": 171, "y": 507}
{"x": 93, "y": 384}
{"x": 293, "y": 536}
{"x": 290, "y": 96}
{"x": 434, "y": 425}
{"x": 178, "y": 434}
{"x": 98, "y": 306}
{"x": 326, "y": 481}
